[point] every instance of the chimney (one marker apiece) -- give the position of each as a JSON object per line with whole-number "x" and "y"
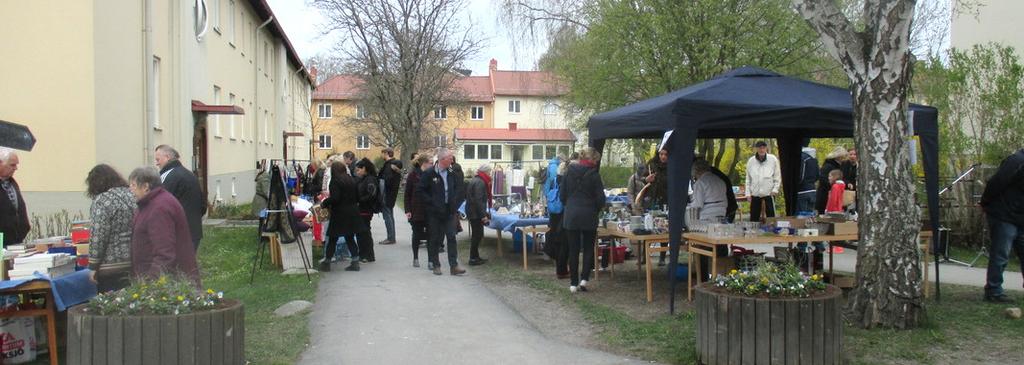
{"x": 512, "y": 126}
{"x": 494, "y": 65}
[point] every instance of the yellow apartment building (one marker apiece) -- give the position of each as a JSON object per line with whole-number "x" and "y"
{"x": 106, "y": 81}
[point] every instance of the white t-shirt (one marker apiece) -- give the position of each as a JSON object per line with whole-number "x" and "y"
{"x": 709, "y": 195}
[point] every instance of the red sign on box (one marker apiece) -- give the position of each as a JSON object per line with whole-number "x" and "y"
{"x": 80, "y": 235}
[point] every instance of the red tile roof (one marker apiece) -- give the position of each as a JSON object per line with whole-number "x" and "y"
{"x": 341, "y": 87}
{"x": 527, "y": 83}
{"x": 502, "y": 134}
{"x": 476, "y": 88}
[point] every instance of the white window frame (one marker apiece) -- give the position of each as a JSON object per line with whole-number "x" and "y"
{"x": 232, "y": 23}
{"x": 214, "y": 8}
{"x": 324, "y": 142}
{"x": 360, "y": 111}
{"x": 486, "y": 148}
{"x": 514, "y": 106}
{"x": 440, "y": 112}
{"x": 441, "y": 140}
{"x": 216, "y": 117}
{"x": 231, "y": 121}
{"x": 550, "y": 108}
{"x": 473, "y": 112}
{"x": 466, "y": 150}
{"x": 533, "y": 152}
{"x": 362, "y": 142}
{"x": 155, "y": 79}
{"x": 322, "y": 108}
{"x": 500, "y": 150}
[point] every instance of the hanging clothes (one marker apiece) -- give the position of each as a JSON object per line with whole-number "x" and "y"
{"x": 277, "y": 202}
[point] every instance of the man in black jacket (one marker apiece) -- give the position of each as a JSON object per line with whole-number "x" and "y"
{"x": 806, "y": 192}
{"x": 442, "y": 192}
{"x": 13, "y": 214}
{"x": 184, "y": 185}
{"x": 390, "y": 180}
{"x": 1003, "y": 202}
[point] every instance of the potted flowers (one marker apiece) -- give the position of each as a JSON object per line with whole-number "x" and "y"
{"x": 157, "y": 320}
{"x": 772, "y": 314}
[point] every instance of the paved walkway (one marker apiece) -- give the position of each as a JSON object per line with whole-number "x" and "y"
{"x": 392, "y": 313}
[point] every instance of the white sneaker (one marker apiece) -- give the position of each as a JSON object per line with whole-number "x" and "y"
{"x": 583, "y": 283}
{"x": 573, "y": 289}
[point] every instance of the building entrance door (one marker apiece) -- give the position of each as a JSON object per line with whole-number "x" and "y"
{"x": 517, "y": 156}
{"x": 200, "y": 153}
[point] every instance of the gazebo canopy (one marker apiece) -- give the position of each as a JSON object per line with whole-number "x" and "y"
{"x": 750, "y": 102}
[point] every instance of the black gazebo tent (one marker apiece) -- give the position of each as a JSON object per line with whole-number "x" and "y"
{"x": 750, "y": 102}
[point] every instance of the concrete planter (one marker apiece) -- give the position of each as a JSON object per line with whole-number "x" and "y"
{"x": 736, "y": 329}
{"x": 211, "y": 337}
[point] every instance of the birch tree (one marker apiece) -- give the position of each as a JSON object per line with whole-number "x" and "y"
{"x": 875, "y": 57}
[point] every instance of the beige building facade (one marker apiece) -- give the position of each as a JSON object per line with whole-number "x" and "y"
{"x": 996, "y": 21}
{"x": 106, "y": 81}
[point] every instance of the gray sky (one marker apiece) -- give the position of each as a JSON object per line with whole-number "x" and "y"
{"x": 301, "y": 23}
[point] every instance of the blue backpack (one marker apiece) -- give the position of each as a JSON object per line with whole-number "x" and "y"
{"x": 551, "y": 188}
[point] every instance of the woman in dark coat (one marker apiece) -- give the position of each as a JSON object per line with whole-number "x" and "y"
{"x": 834, "y": 161}
{"x": 369, "y": 203}
{"x": 343, "y": 203}
{"x": 583, "y": 194}
{"x": 415, "y": 210}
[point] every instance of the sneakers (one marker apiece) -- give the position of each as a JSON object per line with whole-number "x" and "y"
{"x": 477, "y": 261}
{"x": 573, "y": 289}
{"x": 583, "y": 285}
{"x": 354, "y": 266}
{"x": 1000, "y": 298}
{"x": 415, "y": 263}
{"x": 457, "y": 270}
{"x": 386, "y": 242}
{"x": 437, "y": 270}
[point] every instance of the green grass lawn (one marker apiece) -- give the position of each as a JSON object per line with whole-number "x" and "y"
{"x": 961, "y": 328}
{"x": 225, "y": 258}
{"x": 967, "y": 254}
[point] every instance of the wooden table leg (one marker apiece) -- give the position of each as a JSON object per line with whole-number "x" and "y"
{"x": 51, "y": 327}
{"x": 689, "y": 276}
{"x": 650, "y": 289}
{"x": 597, "y": 261}
{"x": 523, "y": 235}
{"x": 611, "y": 257}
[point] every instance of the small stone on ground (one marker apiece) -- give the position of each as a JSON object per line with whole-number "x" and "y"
{"x": 292, "y": 307}
{"x": 1013, "y": 313}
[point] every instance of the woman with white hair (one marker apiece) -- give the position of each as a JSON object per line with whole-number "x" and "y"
{"x": 478, "y": 203}
{"x": 834, "y": 161}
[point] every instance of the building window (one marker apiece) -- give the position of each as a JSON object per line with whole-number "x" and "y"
{"x": 231, "y": 23}
{"x": 495, "y": 151}
{"x": 362, "y": 142}
{"x": 155, "y": 79}
{"x": 441, "y": 141}
{"x": 325, "y": 142}
{"x": 216, "y": 118}
{"x": 324, "y": 110}
{"x": 441, "y": 112}
{"x": 477, "y": 113}
{"x": 538, "y": 152}
{"x": 550, "y": 108}
{"x": 564, "y": 151}
{"x": 469, "y": 152}
{"x": 231, "y": 119}
{"x": 549, "y": 152}
{"x": 214, "y": 9}
{"x": 360, "y": 111}
{"x": 513, "y": 106}
{"x": 481, "y": 151}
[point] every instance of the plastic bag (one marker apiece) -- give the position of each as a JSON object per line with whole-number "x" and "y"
{"x": 17, "y": 340}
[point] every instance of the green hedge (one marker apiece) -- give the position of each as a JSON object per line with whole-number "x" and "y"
{"x": 615, "y": 176}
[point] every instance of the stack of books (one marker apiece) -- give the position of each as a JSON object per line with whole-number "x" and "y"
{"x": 53, "y": 265}
{"x": 15, "y": 251}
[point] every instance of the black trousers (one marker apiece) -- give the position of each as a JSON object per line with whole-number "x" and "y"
{"x": 332, "y": 243}
{"x": 366, "y": 245}
{"x": 443, "y": 228}
{"x": 476, "y": 234}
{"x": 419, "y": 233}
{"x": 555, "y": 245}
{"x": 580, "y": 240}
{"x": 755, "y": 207}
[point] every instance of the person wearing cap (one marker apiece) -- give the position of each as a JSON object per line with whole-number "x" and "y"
{"x": 764, "y": 178}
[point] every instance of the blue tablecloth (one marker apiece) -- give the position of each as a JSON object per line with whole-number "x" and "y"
{"x": 67, "y": 290}
{"x": 617, "y": 198}
{"x": 509, "y": 222}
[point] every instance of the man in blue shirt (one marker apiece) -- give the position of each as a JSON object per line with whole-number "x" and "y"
{"x": 442, "y": 194}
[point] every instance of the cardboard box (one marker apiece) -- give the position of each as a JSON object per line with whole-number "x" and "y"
{"x": 842, "y": 228}
{"x": 793, "y": 222}
{"x": 843, "y": 281}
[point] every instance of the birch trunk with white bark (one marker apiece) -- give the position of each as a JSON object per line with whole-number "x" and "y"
{"x": 877, "y": 61}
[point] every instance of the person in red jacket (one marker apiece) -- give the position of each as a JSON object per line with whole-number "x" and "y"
{"x": 161, "y": 240}
{"x": 835, "y": 194}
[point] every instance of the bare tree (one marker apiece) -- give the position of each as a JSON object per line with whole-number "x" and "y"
{"x": 876, "y": 58}
{"x": 407, "y": 53}
{"x": 327, "y": 66}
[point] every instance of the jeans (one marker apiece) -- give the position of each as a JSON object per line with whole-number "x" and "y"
{"x": 349, "y": 241}
{"x": 476, "y": 234}
{"x": 341, "y": 249}
{"x": 805, "y": 201}
{"x": 389, "y": 221}
{"x": 441, "y": 228}
{"x": 1004, "y": 235}
{"x": 580, "y": 240}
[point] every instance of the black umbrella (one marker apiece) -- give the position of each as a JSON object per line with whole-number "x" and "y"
{"x": 16, "y": 136}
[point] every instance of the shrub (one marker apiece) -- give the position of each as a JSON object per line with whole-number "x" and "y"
{"x": 771, "y": 280}
{"x": 615, "y": 176}
{"x": 165, "y": 295}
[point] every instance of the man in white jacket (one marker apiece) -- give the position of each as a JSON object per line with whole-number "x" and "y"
{"x": 764, "y": 178}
